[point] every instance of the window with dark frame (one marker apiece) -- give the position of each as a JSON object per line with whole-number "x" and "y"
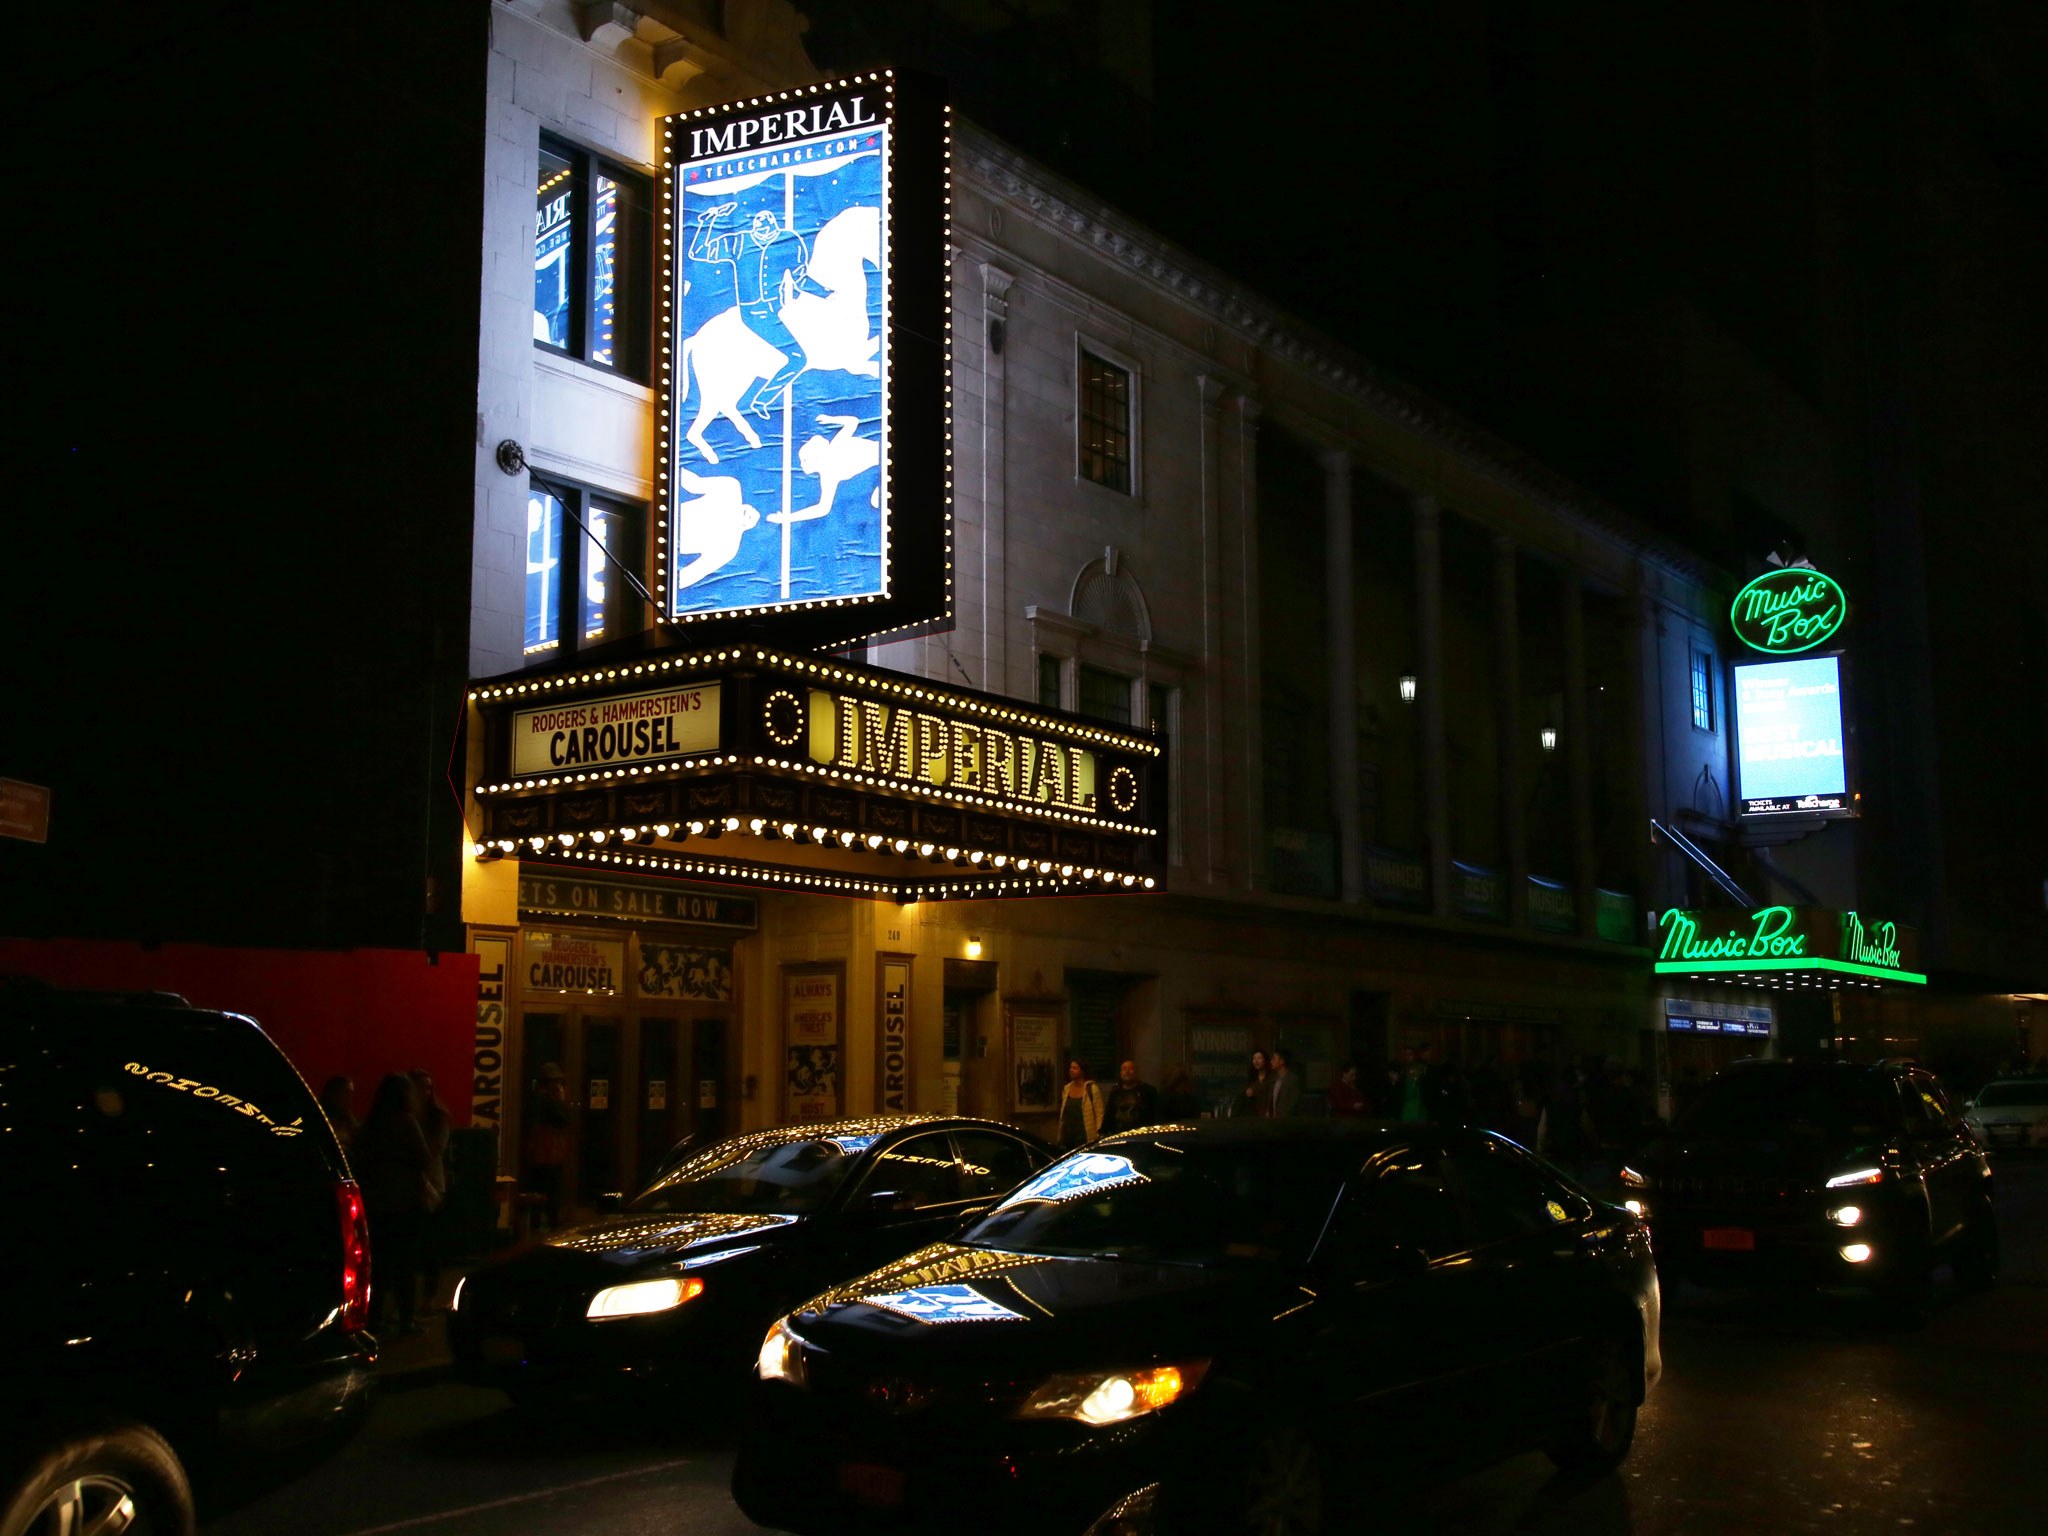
{"x": 1105, "y": 423}
{"x": 575, "y": 594}
{"x": 1105, "y": 696}
{"x": 591, "y": 249}
{"x": 1049, "y": 682}
{"x": 1702, "y": 689}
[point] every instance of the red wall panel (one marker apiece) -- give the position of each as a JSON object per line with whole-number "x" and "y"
{"x": 361, "y": 1012}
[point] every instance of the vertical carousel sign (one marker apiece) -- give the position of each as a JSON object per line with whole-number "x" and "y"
{"x": 802, "y": 453}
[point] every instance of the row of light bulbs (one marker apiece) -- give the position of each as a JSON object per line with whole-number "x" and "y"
{"x": 762, "y": 827}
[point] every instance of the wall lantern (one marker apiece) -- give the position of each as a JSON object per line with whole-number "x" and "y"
{"x": 1548, "y": 736}
{"x": 1408, "y": 688}
{"x": 974, "y": 949}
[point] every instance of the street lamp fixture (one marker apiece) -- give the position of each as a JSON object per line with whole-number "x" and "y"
{"x": 1548, "y": 736}
{"x": 1408, "y": 688}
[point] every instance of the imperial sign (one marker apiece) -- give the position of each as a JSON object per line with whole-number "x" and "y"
{"x": 1788, "y": 610}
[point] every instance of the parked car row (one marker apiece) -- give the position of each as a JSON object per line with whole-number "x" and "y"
{"x": 936, "y": 1319}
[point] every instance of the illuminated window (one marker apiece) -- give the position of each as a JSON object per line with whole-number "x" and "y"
{"x": 1105, "y": 696}
{"x": 1105, "y": 422}
{"x": 590, "y": 259}
{"x": 1049, "y": 681}
{"x": 573, "y": 586}
{"x": 543, "y": 572}
{"x": 1703, "y": 689}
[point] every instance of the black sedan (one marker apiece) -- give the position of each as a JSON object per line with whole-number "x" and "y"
{"x": 691, "y": 1270}
{"x": 1826, "y": 1173}
{"x": 1234, "y": 1326}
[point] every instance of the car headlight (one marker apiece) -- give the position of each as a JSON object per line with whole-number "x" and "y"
{"x": 644, "y": 1296}
{"x": 1856, "y": 1176}
{"x": 781, "y": 1357}
{"x": 1111, "y": 1397}
{"x": 1630, "y": 1179}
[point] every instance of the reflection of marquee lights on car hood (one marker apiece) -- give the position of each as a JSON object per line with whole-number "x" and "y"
{"x": 943, "y": 1304}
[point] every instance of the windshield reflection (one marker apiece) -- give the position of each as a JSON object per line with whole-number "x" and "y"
{"x": 1157, "y": 1203}
{"x": 756, "y": 1175}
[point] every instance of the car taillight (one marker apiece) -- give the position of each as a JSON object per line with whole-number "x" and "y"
{"x": 355, "y": 1257}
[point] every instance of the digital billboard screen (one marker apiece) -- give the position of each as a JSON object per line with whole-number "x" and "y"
{"x": 798, "y": 467}
{"x": 1789, "y": 758}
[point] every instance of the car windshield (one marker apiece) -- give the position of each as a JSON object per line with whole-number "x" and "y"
{"x": 754, "y": 1175}
{"x": 2013, "y": 1096}
{"x": 1834, "y": 1104}
{"x": 1168, "y": 1203}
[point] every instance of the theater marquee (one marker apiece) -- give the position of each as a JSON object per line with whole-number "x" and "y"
{"x": 770, "y": 768}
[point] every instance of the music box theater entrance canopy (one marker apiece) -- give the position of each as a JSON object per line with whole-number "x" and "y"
{"x": 760, "y": 767}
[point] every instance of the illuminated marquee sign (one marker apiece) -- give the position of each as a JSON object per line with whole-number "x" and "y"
{"x": 1788, "y": 610}
{"x": 603, "y": 733}
{"x": 1790, "y": 757}
{"x": 801, "y": 461}
{"x": 847, "y": 779}
{"x": 1786, "y": 939}
{"x": 916, "y": 746}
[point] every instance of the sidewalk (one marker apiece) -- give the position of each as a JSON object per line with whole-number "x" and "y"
{"x": 426, "y": 1350}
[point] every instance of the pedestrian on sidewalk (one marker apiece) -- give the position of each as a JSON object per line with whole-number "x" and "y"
{"x": 391, "y": 1163}
{"x": 435, "y": 1126}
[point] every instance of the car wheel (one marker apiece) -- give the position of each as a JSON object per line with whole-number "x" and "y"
{"x": 1601, "y": 1426}
{"x": 1283, "y": 1487}
{"x": 1976, "y": 1260}
{"x": 119, "y": 1482}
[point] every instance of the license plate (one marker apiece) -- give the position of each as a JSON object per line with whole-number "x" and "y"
{"x": 499, "y": 1350}
{"x": 1729, "y": 1239}
{"x": 879, "y": 1486}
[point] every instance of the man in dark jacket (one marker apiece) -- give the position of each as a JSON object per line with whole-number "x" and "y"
{"x": 1285, "y": 1088}
{"x": 1131, "y": 1103}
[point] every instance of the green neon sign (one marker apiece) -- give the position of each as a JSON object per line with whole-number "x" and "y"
{"x": 1783, "y": 938}
{"x": 1789, "y": 610}
{"x": 1763, "y": 935}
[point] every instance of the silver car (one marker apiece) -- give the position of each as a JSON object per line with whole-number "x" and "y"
{"x": 2011, "y": 1114}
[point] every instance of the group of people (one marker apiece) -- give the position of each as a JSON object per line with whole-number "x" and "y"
{"x": 399, "y": 1154}
{"x": 1087, "y": 1112}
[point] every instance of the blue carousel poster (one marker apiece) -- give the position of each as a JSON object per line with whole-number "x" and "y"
{"x": 778, "y": 492}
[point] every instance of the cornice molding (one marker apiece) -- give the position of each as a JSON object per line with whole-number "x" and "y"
{"x": 1089, "y": 221}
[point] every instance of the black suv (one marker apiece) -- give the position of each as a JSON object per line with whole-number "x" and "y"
{"x": 1824, "y": 1172}
{"x": 186, "y": 1264}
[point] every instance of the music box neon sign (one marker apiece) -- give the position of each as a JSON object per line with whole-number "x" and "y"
{"x": 1789, "y": 610}
{"x": 1782, "y": 938}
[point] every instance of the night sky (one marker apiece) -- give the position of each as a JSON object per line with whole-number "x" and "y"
{"x": 1632, "y": 240}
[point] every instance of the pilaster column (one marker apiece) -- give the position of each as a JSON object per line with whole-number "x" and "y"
{"x": 1249, "y": 759}
{"x": 1507, "y": 668}
{"x": 995, "y": 585}
{"x": 1342, "y": 646}
{"x": 1578, "y": 749}
{"x": 1429, "y": 677}
{"x": 1649, "y": 777}
{"x": 1217, "y": 699}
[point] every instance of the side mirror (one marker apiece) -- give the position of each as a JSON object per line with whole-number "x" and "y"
{"x": 610, "y": 1204}
{"x": 884, "y": 1203}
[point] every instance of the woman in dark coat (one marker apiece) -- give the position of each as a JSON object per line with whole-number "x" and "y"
{"x": 390, "y": 1162}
